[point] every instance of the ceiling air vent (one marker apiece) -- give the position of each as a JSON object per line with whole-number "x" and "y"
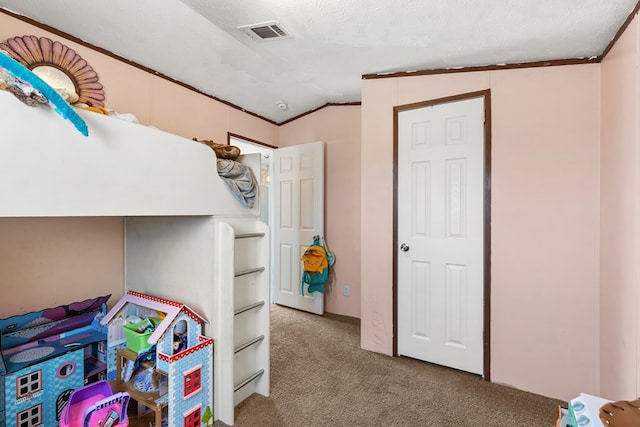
{"x": 265, "y": 31}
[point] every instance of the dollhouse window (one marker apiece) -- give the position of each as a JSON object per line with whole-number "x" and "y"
{"x": 28, "y": 384}
{"x": 30, "y": 417}
{"x": 192, "y": 381}
{"x": 66, "y": 370}
{"x": 192, "y": 419}
{"x": 180, "y": 336}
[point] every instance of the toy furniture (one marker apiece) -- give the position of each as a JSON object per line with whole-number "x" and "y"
{"x": 95, "y": 405}
{"x": 45, "y": 356}
{"x": 151, "y": 400}
{"x": 187, "y": 238}
{"x": 167, "y": 369}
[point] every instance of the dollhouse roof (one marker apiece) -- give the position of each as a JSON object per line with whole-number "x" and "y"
{"x": 171, "y": 309}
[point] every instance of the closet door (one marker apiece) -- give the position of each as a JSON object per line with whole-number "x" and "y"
{"x": 298, "y": 193}
{"x": 441, "y": 227}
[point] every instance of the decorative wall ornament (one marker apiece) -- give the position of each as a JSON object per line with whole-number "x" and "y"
{"x": 58, "y": 65}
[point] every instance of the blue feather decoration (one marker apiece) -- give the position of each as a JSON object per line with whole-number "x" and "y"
{"x": 60, "y": 106}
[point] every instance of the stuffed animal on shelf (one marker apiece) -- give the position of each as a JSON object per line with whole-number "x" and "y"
{"x": 23, "y": 91}
{"x": 223, "y": 151}
{"x": 30, "y": 98}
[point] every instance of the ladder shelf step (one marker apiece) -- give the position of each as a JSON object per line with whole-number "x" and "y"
{"x": 248, "y": 380}
{"x": 249, "y": 271}
{"x": 248, "y": 344}
{"x": 249, "y": 235}
{"x": 248, "y": 307}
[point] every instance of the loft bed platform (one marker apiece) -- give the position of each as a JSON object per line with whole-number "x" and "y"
{"x": 49, "y": 169}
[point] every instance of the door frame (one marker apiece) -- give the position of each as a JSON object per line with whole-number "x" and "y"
{"x": 486, "y": 94}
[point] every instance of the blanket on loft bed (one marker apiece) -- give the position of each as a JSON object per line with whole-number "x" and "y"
{"x": 240, "y": 181}
{"x": 238, "y": 177}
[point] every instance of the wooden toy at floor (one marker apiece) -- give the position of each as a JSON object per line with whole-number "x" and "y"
{"x": 95, "y": 405}
{"x": 45, "y": 356}
{"x": 156, "y": 352}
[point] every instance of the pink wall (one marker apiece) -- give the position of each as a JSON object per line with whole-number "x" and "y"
{"x": 46, "y": 262}
{"x": 545, "y": 212}
{"x": 339, "y": 128}
{"x": 619, "y": 224}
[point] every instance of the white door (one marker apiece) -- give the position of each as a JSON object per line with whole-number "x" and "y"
{"x": 440, "y": 255}
{"x": 298, "y": 216}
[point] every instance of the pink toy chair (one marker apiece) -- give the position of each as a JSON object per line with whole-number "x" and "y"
{"x": 95, "y": 405}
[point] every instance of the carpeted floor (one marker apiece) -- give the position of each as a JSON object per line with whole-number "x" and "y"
{"x": 321, "y": 377}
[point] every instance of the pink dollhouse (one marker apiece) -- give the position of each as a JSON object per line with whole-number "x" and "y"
{"x": 156, "y": 352}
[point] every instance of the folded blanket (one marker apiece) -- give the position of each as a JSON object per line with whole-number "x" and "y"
{"x": 239, "y": 180}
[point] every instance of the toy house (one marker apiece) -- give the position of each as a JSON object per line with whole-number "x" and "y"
{"x": 156, "y": 352}
{"x": 45, "y": 356}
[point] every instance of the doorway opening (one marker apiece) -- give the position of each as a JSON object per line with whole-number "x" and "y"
{"x": 292, "y": 205}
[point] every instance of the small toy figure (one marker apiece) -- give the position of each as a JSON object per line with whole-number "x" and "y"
{"x": 180, "y": 337}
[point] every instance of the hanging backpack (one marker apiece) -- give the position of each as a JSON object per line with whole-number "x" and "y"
{"x": 315, "y": 267}
{"x": 331, "y": 257}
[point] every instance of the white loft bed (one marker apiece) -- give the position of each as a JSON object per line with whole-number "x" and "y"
{"x": 186, "y": 237}
{"x": 121, "y": 169}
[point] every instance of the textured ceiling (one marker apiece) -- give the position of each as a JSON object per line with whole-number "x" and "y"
{"x": 333, "y": 44}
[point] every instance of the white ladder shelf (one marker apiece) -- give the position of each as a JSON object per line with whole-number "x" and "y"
{"x": 242, "y": 336}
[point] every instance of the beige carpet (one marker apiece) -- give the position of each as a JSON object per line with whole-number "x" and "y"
{"x": 321, "y": 377}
